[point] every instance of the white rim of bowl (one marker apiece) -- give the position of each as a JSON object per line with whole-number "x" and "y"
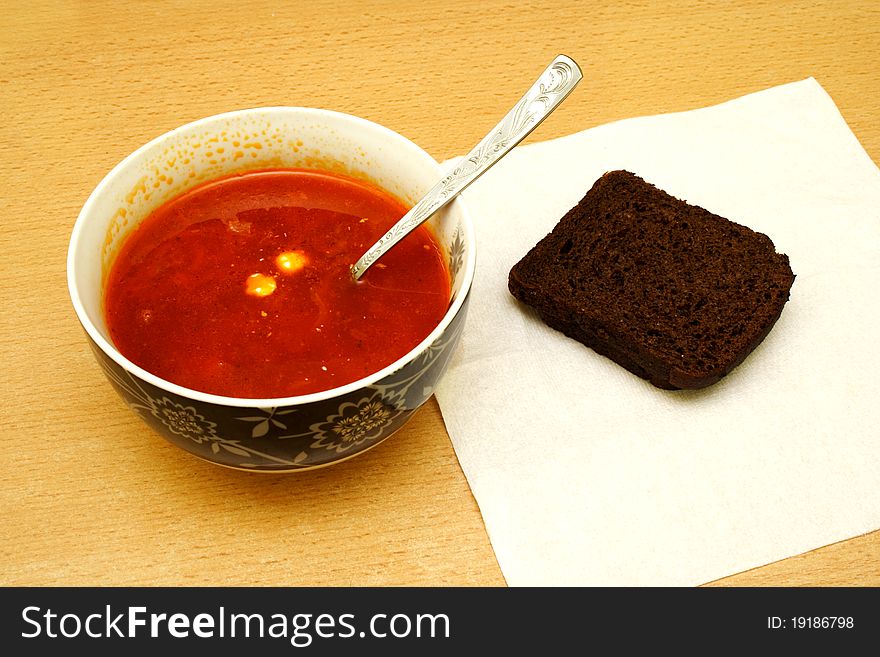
{"x": 269, "y": 402}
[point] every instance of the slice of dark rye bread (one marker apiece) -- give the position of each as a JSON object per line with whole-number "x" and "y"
{"x": 673, "y": 293}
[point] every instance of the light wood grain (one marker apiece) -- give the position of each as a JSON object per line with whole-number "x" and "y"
{"x": 89, "y": 495}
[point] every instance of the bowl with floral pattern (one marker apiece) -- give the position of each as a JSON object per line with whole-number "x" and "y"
{"x": 274, "y": 434}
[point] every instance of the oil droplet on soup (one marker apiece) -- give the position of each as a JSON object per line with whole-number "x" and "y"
{"x": 241, "y": 287}
{"x": 290, "y": 262}
{"x": 260, "y": 285}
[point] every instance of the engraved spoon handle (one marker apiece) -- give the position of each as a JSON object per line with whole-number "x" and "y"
{"x": 554, "y": 85}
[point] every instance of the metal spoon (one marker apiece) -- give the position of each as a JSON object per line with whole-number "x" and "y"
{"x": 554, "y": 85}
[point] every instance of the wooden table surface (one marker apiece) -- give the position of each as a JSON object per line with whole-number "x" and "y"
{"x": 89, "y": 495}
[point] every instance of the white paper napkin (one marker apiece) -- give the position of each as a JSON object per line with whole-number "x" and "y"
{"x": 588, "y": 475}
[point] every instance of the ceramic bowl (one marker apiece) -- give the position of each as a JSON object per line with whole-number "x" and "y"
{"x": 283, "y": 434}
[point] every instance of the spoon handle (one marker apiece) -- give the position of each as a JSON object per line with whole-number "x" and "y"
{"x": 554, "y": 85}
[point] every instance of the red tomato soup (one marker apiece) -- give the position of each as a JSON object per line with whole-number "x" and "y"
{"x": 241, "y": 287}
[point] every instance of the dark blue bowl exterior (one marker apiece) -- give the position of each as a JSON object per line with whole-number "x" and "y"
{"x": 289, "y": 437}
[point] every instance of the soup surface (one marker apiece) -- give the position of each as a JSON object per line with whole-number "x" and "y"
{"x": 241, "y": 287}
